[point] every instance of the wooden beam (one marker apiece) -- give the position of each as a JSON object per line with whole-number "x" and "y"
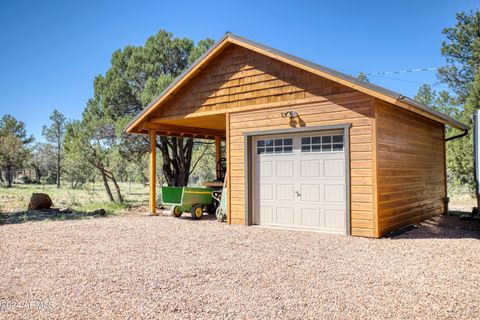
{"x": 182, "y": 131}
{"x": 373, "y": 124}
{"x": 153, "y": 172}
{"x": 229, "y": 189}
{"x": 218, "y": 154}
{"x": 171, "y": 134}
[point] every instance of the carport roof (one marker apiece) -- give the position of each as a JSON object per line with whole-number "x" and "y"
{"x": 347, "y": 80}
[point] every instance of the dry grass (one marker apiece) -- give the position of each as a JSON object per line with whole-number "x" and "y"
{"x": 158, "y": 267}
{"x": 463, "y": 203}
{"x": 14, "y": 201}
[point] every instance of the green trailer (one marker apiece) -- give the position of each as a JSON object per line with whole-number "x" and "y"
{"x": 187, "y": 199}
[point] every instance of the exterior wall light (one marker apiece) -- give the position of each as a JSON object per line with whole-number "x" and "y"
{"x": 289, "y": 114}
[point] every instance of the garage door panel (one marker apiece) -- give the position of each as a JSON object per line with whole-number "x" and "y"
{"x": 284, "y": 192}
{"x": 334, "y": 168}
{"x": 284, "y": 168}
{"x": 334, "y": 219}
{"x": 310, "y": 217}
{"x": 266, "y": 169}
{"x": 266, "y": 192}
{"x": 266, "y": 215}
{"x": 334, "y": 193}
{"x": 310, "y": 168}
{"x": 285, "y": 215}
{"x": 310, "y": 192}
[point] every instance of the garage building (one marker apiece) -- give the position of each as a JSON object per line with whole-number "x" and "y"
{"x": 307, "y": 147}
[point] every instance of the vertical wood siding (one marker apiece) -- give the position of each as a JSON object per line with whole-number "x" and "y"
{"x": 411, "y": 167}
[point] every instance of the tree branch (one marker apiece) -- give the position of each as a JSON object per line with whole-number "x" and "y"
{"x": 198, "y": 160}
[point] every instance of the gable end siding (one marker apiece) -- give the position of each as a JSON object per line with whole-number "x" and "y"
{"x": 239, "y": 77}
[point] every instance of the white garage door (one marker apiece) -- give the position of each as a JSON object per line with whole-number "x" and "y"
{"x": 300, "y": 181}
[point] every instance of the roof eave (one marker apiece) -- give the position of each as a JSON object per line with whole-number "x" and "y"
{"x": 447, "y": 119}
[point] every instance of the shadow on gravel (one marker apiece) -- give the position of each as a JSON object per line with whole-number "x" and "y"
{"x": 50, "y": 214}
{"x": 441, "y": 227}
{"x": 206, "y": 217}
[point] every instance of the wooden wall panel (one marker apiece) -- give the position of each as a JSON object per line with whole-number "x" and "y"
{"x": 354, "y": 108}
{"x": 410, "y": 167}
{"x": 240, "y": 77}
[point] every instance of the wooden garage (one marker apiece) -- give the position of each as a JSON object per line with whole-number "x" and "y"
{"x": 307, "y": 147}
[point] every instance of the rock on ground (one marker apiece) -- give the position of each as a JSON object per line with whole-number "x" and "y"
{"x": 40, "y": 201}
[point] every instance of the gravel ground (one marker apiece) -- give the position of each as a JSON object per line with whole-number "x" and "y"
{"x": 158, "y": 267}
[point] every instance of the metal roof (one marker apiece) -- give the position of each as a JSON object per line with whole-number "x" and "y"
{"x": 343, "y": 76}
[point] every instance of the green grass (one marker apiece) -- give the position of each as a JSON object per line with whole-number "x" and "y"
{"x": 14, "y": 201}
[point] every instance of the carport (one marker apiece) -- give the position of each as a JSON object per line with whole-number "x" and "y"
{"x": 211, "y": 127}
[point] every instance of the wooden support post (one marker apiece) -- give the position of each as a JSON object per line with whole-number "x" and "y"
{"x": 218, "y": 155}
{"x": 153, "y": 172}
{"x": 229, "y": 190}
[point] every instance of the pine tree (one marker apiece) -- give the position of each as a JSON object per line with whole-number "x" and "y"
{"x": 460, "y": 151}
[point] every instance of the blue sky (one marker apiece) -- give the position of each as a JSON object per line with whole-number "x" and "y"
{"x": 51, "y": 51}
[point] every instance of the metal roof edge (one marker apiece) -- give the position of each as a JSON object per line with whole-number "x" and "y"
{"x": 434, "y": 112}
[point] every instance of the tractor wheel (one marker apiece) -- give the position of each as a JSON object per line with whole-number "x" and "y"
{"x": 176, "y": 211}
{"x": 197, "y": 211}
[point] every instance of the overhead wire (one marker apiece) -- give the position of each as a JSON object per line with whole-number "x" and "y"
{"x": 383, "y": 74}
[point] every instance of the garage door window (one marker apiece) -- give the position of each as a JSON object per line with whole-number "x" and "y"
{"x": 275, "y": 146}
{"x": 328, "y": 143}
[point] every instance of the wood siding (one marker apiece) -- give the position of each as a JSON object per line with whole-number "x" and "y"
{"x": 354, "y": 108}
{"x": 239, "y": 77}
{"x": 410, "y": 167}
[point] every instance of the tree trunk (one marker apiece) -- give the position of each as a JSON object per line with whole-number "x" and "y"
{"x": 58, "y": 173}
{"x": 117, "y": 188}
{"x": 59, "y": 168}
{"x": 9, "y": 176}
{"x": 105, "y": 183}
{"x": 177, "y": 157}
{"x": 38, "y": 173}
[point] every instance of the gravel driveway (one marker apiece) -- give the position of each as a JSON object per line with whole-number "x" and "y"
{"x": 158, "y": 267}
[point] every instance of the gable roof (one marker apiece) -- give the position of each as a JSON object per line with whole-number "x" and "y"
{"x": 347, "y": 80}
